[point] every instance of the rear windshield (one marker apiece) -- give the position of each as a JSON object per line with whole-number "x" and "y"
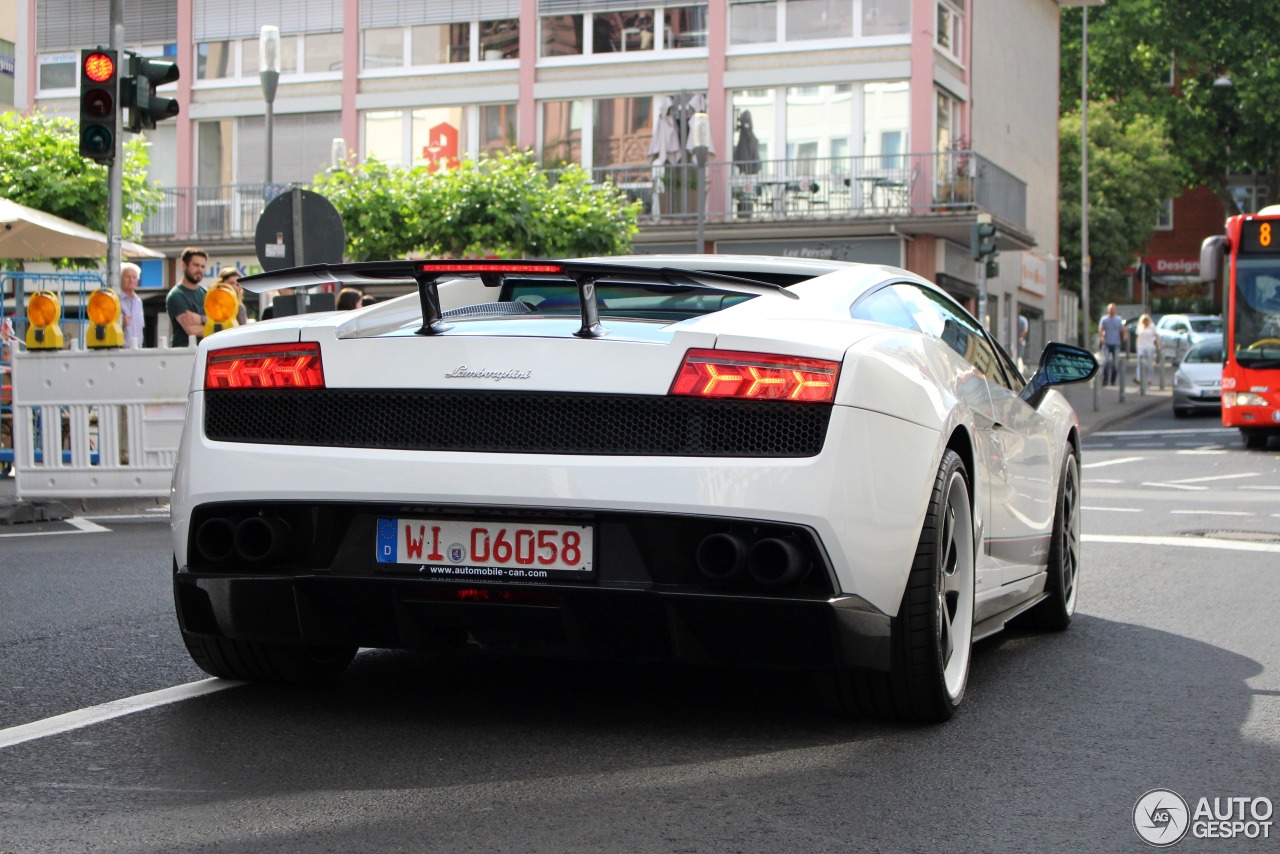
{"x": 625, "y": 300}
{"x": 1205, "y": 353}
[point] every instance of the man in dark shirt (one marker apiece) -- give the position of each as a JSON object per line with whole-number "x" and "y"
{"x": 185, "y": 302}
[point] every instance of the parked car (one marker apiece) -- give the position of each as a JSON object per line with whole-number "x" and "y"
{"x": 1197, "y": 383}
{"x": 1179, "y": 331}
{"x": 744, "y": 461}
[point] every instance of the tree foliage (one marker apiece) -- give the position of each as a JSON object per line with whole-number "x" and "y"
{"x": 1131, "y": 169}
{"x": 503, "y": 205}
{"x": 1161, "y": 58}
{"x": 41, "y": 167}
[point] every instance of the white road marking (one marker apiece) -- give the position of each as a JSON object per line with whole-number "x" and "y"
{"x": 1177, "y": 486}
{"x": 1205, "y": 451}
{"x": 1251, "y": 486}
{"x": 79, "y": 524}
{"x": 1215, "y": 477}
{"x": 1209, "y": 513}
{"x": 1172, "y": 432}
{"x": 1187, "y": 542}
{"x": 1102, "y": 480}
{"x": 1114, "y": 462}
{"x": 120, "y": 516}
{"x": 116, "y": 708}
{"x": 1116, "y": 509}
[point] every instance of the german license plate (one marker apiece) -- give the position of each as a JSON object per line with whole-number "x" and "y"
{"x": 476, "y": 551}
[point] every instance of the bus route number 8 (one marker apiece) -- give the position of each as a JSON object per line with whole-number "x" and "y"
{"x": 1264, "y": 234}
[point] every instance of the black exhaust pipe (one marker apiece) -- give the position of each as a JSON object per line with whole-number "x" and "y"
{"x": 215, "y": 539}
{"x": 774, "y": 562}
{"x": 262, "y": 538}
{"x": 722, "y": 557}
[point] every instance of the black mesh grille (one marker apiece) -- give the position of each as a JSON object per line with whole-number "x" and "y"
{"x": 517, "y": 422}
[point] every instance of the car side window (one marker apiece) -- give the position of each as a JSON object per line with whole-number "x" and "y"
{"x": 885, "y": 306}
{"x": 936, "y": 316}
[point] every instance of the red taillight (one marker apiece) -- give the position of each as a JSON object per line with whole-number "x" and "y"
{"x": 450, "y": 267}
{"x": 265, "y": 366}
{"x": 755, "y": 376}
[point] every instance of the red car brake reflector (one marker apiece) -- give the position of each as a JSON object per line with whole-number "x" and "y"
{"x": 265, "y": 366}
{"x": 756, "y": 376}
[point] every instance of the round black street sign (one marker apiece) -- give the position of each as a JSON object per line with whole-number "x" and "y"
{"x": 320, "y": 240}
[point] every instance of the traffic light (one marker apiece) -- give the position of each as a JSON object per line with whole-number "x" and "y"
{"x": 138, "y": 91}
{"x": 99, "y": 103}
{"x": 982, "y": 240}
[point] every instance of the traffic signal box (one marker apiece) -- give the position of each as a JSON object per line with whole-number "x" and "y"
{"x": 99, "y": 103}
{"x": 138, "y": 92}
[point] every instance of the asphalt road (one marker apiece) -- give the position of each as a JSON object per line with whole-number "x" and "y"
{"x": 1169, "y": 677}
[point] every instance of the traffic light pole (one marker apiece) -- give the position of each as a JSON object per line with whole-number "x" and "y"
{"x": 115, "y": 169}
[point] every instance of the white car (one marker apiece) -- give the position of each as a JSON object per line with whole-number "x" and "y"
{"x": 1197, "y": 383}
{"x": 728, "y": 460}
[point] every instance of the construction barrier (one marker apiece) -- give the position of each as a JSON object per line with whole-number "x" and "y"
{"x": 101, "y": 423}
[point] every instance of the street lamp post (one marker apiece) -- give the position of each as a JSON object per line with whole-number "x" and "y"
{"x": 700, "y": 137}
{"x": 269, "y": 74}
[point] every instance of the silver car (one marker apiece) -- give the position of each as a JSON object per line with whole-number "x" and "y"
{"x": 1197, "y": 383}
{"x": 1178, "y": 332}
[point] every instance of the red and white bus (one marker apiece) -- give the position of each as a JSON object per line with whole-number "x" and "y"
{"x": 1251, "y": 370}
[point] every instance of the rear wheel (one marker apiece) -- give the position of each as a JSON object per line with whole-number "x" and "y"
{"x": 932, "y": 635}
{"x": 1054, "y": 613}
{"x": 272, "y": 663}
{"x": 1254, "y": 438}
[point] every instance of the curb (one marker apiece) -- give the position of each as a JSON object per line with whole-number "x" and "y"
{"x": 1103, "y": 422}
{"x": 19, "y": 512}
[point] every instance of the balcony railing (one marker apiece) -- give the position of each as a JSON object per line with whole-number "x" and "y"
{"x": 870, "y": 187}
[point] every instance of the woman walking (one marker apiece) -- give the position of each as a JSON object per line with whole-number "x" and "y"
{"x": 1148, "y": 350}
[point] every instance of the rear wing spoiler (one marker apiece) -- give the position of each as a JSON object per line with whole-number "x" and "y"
{"x": 584, "y": 274}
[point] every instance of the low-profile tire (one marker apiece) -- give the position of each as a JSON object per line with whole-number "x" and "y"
{"x": 931, "y": 638}
{"x": 270, "y": 663}
{"x": 1254, "y": 439}
{"x": 1054, "y": 613}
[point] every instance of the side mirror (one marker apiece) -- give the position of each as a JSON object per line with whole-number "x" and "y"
{"x": 1059, "y": 364}
{"x": 1211, "y": 251}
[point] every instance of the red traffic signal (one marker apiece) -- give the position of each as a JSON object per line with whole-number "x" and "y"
{"x": 99, "y": 103}
{"x": 99, "y": 67}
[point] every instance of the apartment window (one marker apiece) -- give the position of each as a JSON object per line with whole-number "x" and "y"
{"x": 620, "y": 32}
{"x": 214, "y": 60}
{"x": 384, "y": 136}
{"x": 321, "y": 53}
{"x": 562, "y": 35}
{"x": 759, "y": 107}
{"x": 288, "y": 56}
{"x": 685, "y": 26}
{"x": 886, "y": 119}
{"x": 886, "y": 17}
{"x": 819, "y": 19}
{"x": 816, "y": 117}
{"x": 497, "y": 127}
{"x": 621, "y": 131}
{"x": 440, "y": 44}
{"x": 561, "y": 132}
{"x": 500, "y": 39}
{"x": 383, "y": 48}
{"x": 1164, "y": 215}
{"x": 753, "y": 22}
{"x": 949, "y": 29}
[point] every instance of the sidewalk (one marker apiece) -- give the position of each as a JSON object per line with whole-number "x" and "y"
{"x": 1111, "y": 411}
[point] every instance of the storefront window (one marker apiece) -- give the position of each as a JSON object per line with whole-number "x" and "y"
{"x": 819, "y": 19}
{"x": 497, "y": 127}
{"x": 886, "y": 17}
{"x": 753, "y": 23}
{"x": 621, "y": 131}
{"x": 438, "y": 136}
{"x": 440, "y": 44}
{"x": 561, "y": 133}
{"x": 500, "y": 39}
{"x": 59, "y": 71}
{"x": 383, "y": 48}
{"x": 686, "y": 26}
{"x": 384, "y": 136}
{"x": 562, "y": 35}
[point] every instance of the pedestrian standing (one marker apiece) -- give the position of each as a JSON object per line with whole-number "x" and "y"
{"x": 185, "y": 302}
{"x": 1148, "y": 349}
{"x": 131, "y": 316}
{"x": 1111, "y": 334}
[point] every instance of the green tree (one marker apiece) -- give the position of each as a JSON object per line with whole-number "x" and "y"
{"x": 41, "y": 167}
{"x": 503, "y": 205}
{"x": 1161, "y": 58}
{"x": 1131, "y": 169}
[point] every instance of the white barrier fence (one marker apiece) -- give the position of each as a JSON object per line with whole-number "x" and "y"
{"x": 101, "y": 423}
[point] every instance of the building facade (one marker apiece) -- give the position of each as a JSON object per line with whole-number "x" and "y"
{"x": 869, "y": 130}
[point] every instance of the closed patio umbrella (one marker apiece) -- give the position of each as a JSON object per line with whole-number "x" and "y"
{"x": 27, "y": 234}
{"x": 746, "y": 151}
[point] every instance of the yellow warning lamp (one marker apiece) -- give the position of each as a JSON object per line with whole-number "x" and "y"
{"x": 104, "y": 320}
{"x": 221, "y": 305}
{"x": 44, "y": 332}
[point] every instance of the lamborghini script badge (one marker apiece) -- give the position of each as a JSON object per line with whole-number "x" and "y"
{"x": 462, "y": 372}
